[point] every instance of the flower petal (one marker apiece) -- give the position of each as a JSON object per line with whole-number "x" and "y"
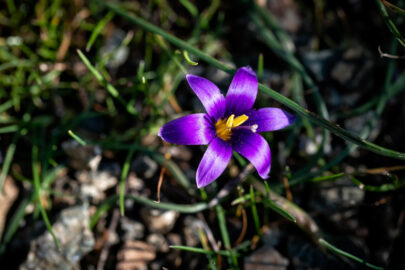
{"x": 255, "y": 148}
{"x": 209, "y": 95}
{"x": 242, "y": 92}
{"x": 214, "y": 162}
{"x": 269, "y": 119}
{"x": 193, "y": 129}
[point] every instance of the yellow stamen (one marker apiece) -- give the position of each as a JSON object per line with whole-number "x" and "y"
{"x": 240, "y": 120}
{"x": 229, "y": 122}
{"x": 224, "y": 128}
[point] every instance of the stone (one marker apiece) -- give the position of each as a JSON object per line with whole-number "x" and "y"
{"x": 133, "y": 230}
{"x": 135, "y": 255}
{"x": 74, "y": 237}
{"x": 159, "y": 221}
{"x": 144, "y": 166}
{"x": 158, "y": 241}
{"x": 266, "y": 258}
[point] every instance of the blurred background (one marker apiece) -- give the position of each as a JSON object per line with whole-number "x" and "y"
{"x": 84, "y": 90}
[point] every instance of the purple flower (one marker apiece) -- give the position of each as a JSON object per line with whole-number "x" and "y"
{"x": 229, "y": 124}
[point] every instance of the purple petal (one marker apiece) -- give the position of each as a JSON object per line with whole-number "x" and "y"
{"x": 193, "y": 129}
{"x": 255, "y": 148}
{"x": 209, "y": 95}
{"x": 242, "y": 92}
{"x": 214, "y": 162}
{"x": 269, "y": 119}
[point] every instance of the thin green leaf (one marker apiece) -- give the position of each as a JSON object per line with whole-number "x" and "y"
{"x": 268, "y": 202}
{"x": 181, "y": 208}
{"x": 77, "y": 138}
{"x": 110, "y": 88}
{"x": 37, "y": 187}
{"x": 254, "y": 211}
{"x": 260, "y": 64}
{"x": 348, "y": 255}
{"x": 394, "y": 8}
{"x": 391, "y": 26}
{"x": 124, "y": 174}
{"x": 225, "y": 235}
{"x": 190, "y": 7}
{"x": 203, "y": 251}
{"x": 7, "y": 160}
{"x": 188, "y": 59}
{"x": 97, "y": 30}
{"x": 380, "y": 188}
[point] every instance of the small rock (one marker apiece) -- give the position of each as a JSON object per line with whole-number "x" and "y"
{"x": 144, "y": 166}
{"x": 135, "y": 255}
{"x": 336, "y": 196}
{"x": 174, "y": 256}
{"x": 266, "y": 258}
{"x": 133, "y": 230}
{"x": 159, "y": 221}
{"x": 158, "y": 241}
{"x": 94, "y": 183}
{"x": 75, "y": 239}
{"x": 79, "y": 155}
{"x": 191, "y": 228}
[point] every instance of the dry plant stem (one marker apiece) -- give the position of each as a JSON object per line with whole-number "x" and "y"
{"x": 244, "y": 229}
{"x": 208, "y": 232}
{"x": 230, "y": 185}
{"x": 303, "y": 220}
{"x": 106, "y": 248}
{"x": 391, "y": 56}
{"x": 162, "y": 173}
{"x": 287, "y": 189}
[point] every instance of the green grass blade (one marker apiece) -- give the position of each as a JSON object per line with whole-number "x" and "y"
{"x": 9, "y": 129}
{"x": 7, "y": 160}
{"x": 110, "y": 88}
{"x": 37, "y": 187}
{"x": 77, "y": 138}
{"x": 104, "y": 207}
{"x": 181, "y": 208}
{"x": 6, "y": 105}
{"x": 225, "y": 235}
{"x": 254, "y": 211}
{"x": 97, "y": 30}
{"x": 188, "y": 59}
{"x": 190, "y": 7}
{"x": 124, "y": 174}
{"x": 391, "y": 26}
{"x": 394, "y": 8}
{"x": 347, "y": 255}
{"x": 203, "y": 251}
{"x": 340, "y": 132}
{"x": 380, "y": 188}
{"x": 260, "y": 64}
{"x": 269, "y": 203}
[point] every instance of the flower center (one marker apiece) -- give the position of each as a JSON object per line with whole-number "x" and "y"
{"x": 224, "y": 127}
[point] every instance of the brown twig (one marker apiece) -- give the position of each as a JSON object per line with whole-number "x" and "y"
{"x": 104, "y": 252}
{"x": 162, "y": 173}
{"x": 387, "y": 55}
